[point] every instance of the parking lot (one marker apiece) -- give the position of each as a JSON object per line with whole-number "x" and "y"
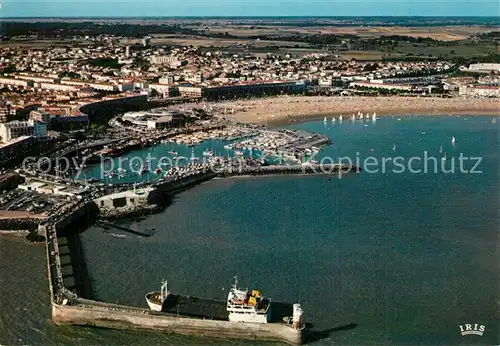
{"x": 33, "y": 202}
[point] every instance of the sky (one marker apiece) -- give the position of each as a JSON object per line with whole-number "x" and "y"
{"x": 167, "y": 8}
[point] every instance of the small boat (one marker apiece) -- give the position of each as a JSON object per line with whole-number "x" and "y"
{"x": 208, "y": 153}
{"x": 228, "y": 147}
{"x": 441, "y": 149}
{"x": 238, "y": 153}
{"x": 340, "y": 118}
{"x": 324, "y": 120}
{"x": 374, "y": 116}
{"x": 453, "y": 140}
{"x": 175, "y": 153}
{"x": 353, "y": 118}
{"x": 360, "y": 115}
{"x": 394, "y": 147}
{"x": 494, "y": 120}
{"x": 333, "y": 120}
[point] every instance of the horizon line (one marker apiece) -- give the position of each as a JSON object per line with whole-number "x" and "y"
{"x": 264, "y": 16}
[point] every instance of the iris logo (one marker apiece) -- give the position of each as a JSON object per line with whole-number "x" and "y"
{"x": 472, "y": 329}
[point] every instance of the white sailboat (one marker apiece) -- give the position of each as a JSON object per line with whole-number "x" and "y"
{"x": 353, "y": 118}
{"x": 333, "y": 120}
{"x": 193, "y": 157}
{"x": 324, "y": 120}
{"x": 374, "y": 117}
{"x": 360, "y": 116}
{"x": 367, "y": 116}
{"x": 453, "y": 140}
{"x": 441, "y": 149}
{"x": 340, "y": 118}
{"x": 394, "y": 147}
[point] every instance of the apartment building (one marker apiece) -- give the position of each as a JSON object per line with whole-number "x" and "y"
{"x": 16, "y": 129}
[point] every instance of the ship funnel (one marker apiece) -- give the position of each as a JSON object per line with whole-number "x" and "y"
{"x": 297, "y": 316}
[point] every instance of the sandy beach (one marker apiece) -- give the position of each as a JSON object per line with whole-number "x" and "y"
{"x": 284, "y": 109}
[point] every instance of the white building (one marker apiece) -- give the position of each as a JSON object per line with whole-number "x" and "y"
{"x": 15, "y": 129}
{"x": 480, "y": 90}
{"x": 103, "y": 86}
{"x": 400, "y": 87}
{"x": 57, "y": 87}
{"x": 484, "y": 67}
{"x": 15, "y": 82}
{"x": 160, "y": 123}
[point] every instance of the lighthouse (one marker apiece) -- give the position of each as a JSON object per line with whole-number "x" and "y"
{"x": 297, "y": 316}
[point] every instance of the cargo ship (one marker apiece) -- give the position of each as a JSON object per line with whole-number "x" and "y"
{"x": 241, "y": 306}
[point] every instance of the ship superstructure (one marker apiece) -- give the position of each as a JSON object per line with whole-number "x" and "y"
{"x": 247, "y": 306}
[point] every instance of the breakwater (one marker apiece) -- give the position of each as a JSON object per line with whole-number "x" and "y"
{"x": 304, "y": 169}
{"x": 70, "y": 309}
{"x": 91, "y": 313}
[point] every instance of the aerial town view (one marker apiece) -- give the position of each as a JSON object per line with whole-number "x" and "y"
{"x": 230, "y": 172}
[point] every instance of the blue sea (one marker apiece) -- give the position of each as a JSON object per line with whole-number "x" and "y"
{"x": 390, "y": 257}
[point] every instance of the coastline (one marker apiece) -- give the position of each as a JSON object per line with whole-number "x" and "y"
{"x": 285, "y": 109}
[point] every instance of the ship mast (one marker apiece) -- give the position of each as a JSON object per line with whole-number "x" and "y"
{"x": 164, "y": 289}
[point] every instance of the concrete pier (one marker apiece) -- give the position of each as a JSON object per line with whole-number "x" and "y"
{"x": 122, "y": 317}
{"x": 69, "y": 309}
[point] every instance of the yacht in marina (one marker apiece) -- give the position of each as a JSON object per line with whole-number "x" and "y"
{"x": 208, "y": 153}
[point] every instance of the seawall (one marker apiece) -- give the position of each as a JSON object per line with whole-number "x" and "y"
{"x": 69, "y": 309}
{"x": 119, "y": 317}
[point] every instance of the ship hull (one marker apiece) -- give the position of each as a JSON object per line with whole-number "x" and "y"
{"x": 249, "y": 318}
{"x": 152, "y": 305}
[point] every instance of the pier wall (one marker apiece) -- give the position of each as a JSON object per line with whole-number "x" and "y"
{"x": 289, "y": 170}
{"x": 185, "y": 183}
{"x": 69, "y": 309}
{"x": 118, "y": 317}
